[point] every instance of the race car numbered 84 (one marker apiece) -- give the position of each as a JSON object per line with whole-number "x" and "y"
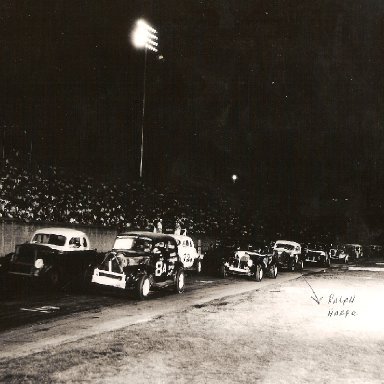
{"x": 141, "y": 261}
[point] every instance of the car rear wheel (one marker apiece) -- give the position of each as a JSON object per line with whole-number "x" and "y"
{"x": 180, "y": 281}
{"x": 198, "y": 266}
{"x": 142, "y": 288}
{"x": 273, "y": 271}
{"x": 54, "y": 278}
{"x": 87, "y": 277}
{"x": 222, "y": 271}
{"x": 259, "y": 273}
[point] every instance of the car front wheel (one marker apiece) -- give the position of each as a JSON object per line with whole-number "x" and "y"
{"x": 273, "y": 271}
{"x": 258, "y": 273}
{"x": 142, "y": 288}
{"x": 300, "y": 265}
{"x": 180, "y": 281}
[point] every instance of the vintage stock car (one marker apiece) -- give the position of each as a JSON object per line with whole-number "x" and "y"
{"x": 288, "y": 255}
{"x": 141, "y": 261}
{"x": 317, "y": 256}
{"x": 339, "y": 255}
{"x": 247, "y": 259}
{"x": 189, "y": 256}
{"x": 57, "y": 256}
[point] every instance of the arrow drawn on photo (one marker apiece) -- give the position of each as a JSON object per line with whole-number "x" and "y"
{"x": 314, "y": 298}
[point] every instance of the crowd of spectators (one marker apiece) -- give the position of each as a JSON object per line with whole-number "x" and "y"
{"x": 52, "y": 196}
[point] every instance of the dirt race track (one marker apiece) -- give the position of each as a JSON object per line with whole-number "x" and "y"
{"x": 288, "y": 330}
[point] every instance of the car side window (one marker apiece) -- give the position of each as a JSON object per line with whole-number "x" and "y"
{"x": 85, "y": 244}
{"x": 158, "y": 248}
{"x": 74, "y": 242}
{"x": 171, "y": 248}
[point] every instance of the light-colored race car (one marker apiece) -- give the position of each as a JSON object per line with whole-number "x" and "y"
{"x": 288, "y": 255}
{"x": 189, "y": 256}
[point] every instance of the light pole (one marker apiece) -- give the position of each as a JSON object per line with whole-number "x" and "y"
{"x": 144, "y": 36}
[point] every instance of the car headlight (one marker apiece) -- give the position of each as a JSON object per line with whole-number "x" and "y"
{"x": 39, "y": 263}
{"x": 250, "y": 263}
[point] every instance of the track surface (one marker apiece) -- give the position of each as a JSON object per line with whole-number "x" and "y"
{"x": 26, "y": 304}
{"x": 33, "y": 320}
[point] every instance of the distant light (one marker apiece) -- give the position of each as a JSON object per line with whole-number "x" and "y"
{"x": 234, "y": 178}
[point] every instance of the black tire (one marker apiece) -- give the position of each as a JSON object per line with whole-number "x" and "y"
{"x": 87, "y": 277}
{"x": 55, "y": 278}
{"x": 346, "y": 259}
{"x": 179, "y": 281}
{"x": 259, "y": 273}
{"x": 291, "y": 265}
{"x": 299, "y": 265}
{"x": 222, "y": 271}
{"x": 273, "y": 271}
{"x": 3, "y": 282}
{"x": 198, "y": 266}
{"x": 142, "y": 288}
{"x": 327, "y": 263}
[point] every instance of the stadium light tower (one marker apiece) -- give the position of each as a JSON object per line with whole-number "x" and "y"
{"x": 144, "y": 37}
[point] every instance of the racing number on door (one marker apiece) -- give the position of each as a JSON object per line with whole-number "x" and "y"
{"x": 161, "y": 268}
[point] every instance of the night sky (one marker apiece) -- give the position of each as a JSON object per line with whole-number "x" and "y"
{"x": 286, "y": 94}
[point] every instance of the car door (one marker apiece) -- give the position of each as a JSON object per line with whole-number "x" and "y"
{"x": 172, "y": 257}
{"x": 186, "y": 254}
{"x": 159, "y": 261}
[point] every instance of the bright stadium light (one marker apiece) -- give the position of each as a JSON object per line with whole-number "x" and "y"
{"x": 234, "y": 178}
{"x": 144, "y": 36}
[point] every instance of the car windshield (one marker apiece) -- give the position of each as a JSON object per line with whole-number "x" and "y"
{"x": 52, "y": 239}
{"x": 133, "y": 243}
{"x": 289, "y": 247}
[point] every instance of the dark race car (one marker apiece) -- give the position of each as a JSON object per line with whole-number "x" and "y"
{"x": 289, "y": 255}
{"x": 57, "y": 256}
{"x": 141, "y": 261}
{"x": 317, "y": 256}
{"x": 246, "y": 259}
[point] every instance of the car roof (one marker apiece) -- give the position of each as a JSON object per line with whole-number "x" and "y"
{"x": 287, "y": 242}
{"x": 152, "y": 235}
{"x": 180, "y": 237}
{"x": 60, "y": 231}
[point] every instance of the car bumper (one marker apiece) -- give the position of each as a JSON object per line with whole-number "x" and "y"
{"x": 25, "y": 270}
{"x": 111, "y": 279}
{"x": 313, "y": 260}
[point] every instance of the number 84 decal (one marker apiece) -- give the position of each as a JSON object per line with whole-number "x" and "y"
{"x": 161, "y": 268}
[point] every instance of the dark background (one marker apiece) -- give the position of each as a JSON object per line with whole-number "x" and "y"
{"x": 286, "y": 94}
